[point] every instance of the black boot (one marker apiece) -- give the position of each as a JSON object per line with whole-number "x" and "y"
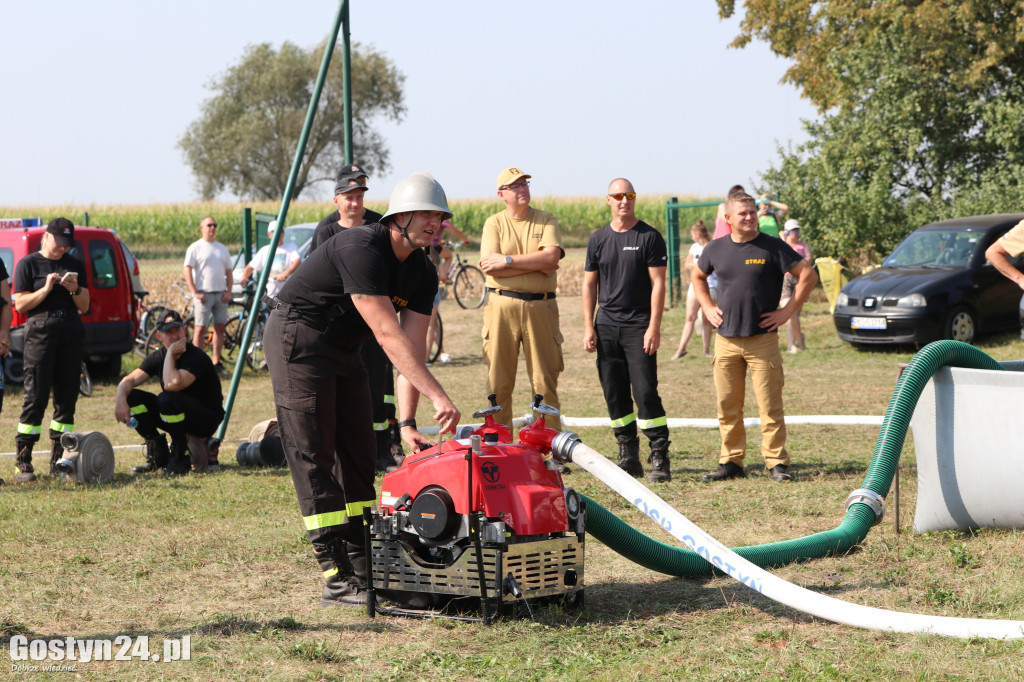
{"x": 629, "y": 455}
{"x": 56, "y": 454}
{"x": 23, "y": 471}
{"x": 157, "y": 456}
{"x": 660, "y": 472}
{"x": 385, "y": 459}
{"x": 342, "y": 587}
{"x": 179, "y": 463}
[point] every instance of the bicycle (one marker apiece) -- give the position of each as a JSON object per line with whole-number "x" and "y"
{"x": 468, "y": 281}
{"x": 255, "y": 356}
{"x": 145, "y": 342}
{"x": 85, "y": 381}
{"x": 156, "y": 313}
{"x": 435, "y": 344}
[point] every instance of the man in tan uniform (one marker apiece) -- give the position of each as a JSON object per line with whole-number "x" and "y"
{"x": 520, "y": 249}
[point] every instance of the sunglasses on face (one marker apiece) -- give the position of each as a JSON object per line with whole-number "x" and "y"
{"x": 619, "y": 195}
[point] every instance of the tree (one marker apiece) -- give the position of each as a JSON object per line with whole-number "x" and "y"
{"x": 245, "y": 139}
{"x": 920, "y": 111}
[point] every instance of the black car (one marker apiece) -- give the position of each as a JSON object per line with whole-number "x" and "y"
{"x": 937, "y": 284}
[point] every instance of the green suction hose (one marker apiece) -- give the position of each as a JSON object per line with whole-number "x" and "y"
{"x": 681, "y": 561}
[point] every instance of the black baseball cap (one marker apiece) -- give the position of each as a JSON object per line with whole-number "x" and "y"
{"x": 171, "y": 320}
{"x": 346, "y": 175}
{"x": 63, "y": 231}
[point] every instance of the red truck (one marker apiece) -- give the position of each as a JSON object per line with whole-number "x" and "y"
{"x": 111, "y": 275}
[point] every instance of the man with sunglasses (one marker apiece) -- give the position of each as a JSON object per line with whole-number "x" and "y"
{"x": 625, "y": 274}
{"x": 207, "y": 272}
{"x": 520, "y": 249}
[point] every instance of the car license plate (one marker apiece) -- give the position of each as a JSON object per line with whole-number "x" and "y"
{"x": 867, "y": 323}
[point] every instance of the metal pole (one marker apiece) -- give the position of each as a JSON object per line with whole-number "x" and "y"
{"x": 672, "y": 237}
{"x": 346, "y": 79}
{"x": 281, "y": 215}
{"x": 246, "y": 235}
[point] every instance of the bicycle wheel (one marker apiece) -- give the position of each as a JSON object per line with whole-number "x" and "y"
{"x": 436, "y": 343}
{"x": 150, "y": 319}
{"x": 85, "y": 382}
{"x": 469, "y": 287}
{"x": 190, "y": 331}
{"x": 152, "y": 344}
{"x": 256, "y": 357}
{"x": 233, "y": 331}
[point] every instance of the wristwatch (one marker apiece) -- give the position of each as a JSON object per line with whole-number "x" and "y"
{"x": 508, "y": 260}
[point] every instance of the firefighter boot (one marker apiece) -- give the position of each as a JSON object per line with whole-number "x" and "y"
{"x": 23, "y": 471}
{"x": 342, "y": 587}
{"x": 629, "y": 455}
{"x": 157, "y": 456}
{"x": 660, "y": 472}
{"x": 56, "y": 454}
{"x": 179, "y": 463}
{"x": 385, "y": 459}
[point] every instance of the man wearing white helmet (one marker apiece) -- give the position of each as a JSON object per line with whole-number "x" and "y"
{"x": 373, "y": 280}
{"x": 349, "y": 190}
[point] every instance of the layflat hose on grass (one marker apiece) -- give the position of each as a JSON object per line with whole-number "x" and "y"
{"x": 681, "y": 561}
{"x": 759, "y": 580}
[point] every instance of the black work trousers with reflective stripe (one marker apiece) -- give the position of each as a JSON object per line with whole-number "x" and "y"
{"x": 322, "y": 395}
{"x": 53, "y": 361}
{"x": 621, "y": 364}
{"x": 174, "y": 412}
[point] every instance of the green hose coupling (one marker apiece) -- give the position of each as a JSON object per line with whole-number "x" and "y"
{"x": 870, "y": 498}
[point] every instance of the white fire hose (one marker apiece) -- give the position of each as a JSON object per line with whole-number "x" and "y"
{"x": 567, "y": 447}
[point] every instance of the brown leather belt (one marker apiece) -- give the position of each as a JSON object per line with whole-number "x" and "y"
{"x": 523, "y": 296}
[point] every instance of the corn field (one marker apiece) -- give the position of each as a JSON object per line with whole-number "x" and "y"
{"x": 165, "y": 230}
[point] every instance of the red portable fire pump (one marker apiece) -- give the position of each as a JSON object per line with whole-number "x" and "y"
{"x": 477, "y": 519}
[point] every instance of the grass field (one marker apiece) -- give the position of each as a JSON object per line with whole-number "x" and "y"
{"x": 223, "y": 558}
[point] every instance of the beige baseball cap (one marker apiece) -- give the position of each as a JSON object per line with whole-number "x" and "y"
{"x": 510, "y": 175}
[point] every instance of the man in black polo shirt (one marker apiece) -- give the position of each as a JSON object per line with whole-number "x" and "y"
{"x": 349, "y": 191}
{"x": 370, "y": 281}
{"x": 189, "y": 406}
{"x": 750, "y": 266}
{"x": 625, "y": 273}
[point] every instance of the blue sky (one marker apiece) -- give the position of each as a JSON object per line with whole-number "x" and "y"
{"x": 576, "y": 93}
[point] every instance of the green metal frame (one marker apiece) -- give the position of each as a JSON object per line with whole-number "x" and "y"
{"x": 341, "y": 18}
{"x": 672, "y": 207}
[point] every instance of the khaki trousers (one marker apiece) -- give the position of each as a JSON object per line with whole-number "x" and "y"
{"x": 733, "y": 356}
{"x": 508, "y": 324}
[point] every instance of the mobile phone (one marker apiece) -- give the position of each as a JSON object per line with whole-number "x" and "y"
{"x": 68, "y": 275}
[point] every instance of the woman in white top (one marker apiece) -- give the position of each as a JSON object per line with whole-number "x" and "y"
{"x": 699, "y": 233}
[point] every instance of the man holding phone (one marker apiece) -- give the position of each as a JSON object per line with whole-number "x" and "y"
{"x": 48, "y": 292}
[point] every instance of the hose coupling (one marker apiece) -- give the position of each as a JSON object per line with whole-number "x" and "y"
{"x": 563, "y": 444}
{"x": 871, "y": 499}
{"x": 69, "y": 441}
